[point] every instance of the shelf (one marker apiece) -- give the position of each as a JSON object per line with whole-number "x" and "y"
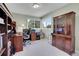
{"x": 62, "y": 35}
{"x": 1, "y": 24}
{"x": 8, "y": 24}
{"x": 9, "y": 20}
{"x": 9, "y": 31}
{"x": 2, "y": 51}
{"x": 2, "y": 33}
{"x": 5, "y": 28}
{"x": 9, "y": 28}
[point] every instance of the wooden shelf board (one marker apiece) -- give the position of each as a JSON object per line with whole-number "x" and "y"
{"x": 62, "y": 35}
{"x": 8, "y": 24}
{"x": 2, "y": 51}
{"x": 2, "y": 34}
{"x": 2, "y": 24}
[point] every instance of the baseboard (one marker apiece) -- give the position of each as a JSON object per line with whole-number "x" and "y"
{"x": 76, "y": 53}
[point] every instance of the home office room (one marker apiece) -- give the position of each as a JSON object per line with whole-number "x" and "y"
{"x": 39, "y": 29}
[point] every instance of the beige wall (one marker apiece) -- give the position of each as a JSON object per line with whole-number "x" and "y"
{"x": 22, "y": 19}
{"x": 47, "y": 31}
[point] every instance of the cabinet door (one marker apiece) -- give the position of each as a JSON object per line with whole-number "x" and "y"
{"x": 60, "y": 42}
{"x": 70, "y": 23}
{"x": 18, "y": 42}
{"x": 68, "y": 47}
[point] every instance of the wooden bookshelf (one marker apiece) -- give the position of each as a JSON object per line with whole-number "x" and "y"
{"x": 7, "y": 19}
{"x": 3, "y": 29}
{"x": 63, "y": 36}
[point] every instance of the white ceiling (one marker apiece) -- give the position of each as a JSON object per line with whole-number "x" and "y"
{"x": 27, "y": 9}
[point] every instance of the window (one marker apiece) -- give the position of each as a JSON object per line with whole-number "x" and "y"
{"x": 37, "y": 24}
{"x": 47, "y": 23}
{"x": 34, "y": 24}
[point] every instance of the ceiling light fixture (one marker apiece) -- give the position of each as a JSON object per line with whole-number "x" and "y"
{"x": 35, "y": 5}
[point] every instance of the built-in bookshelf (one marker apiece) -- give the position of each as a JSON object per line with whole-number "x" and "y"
{"x": 5, "y": 28}
{"x": 63, "y": 36}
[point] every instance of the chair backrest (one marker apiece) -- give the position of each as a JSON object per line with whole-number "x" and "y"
{"x": 26, "y": 34}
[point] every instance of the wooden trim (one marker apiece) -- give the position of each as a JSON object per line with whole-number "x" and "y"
{"x": 64, "y": 14}
{"x": 7, "y": 9}
{"x": 66, "y": 36}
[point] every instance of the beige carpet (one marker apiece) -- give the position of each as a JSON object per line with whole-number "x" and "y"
{"x": 40, "y": 48}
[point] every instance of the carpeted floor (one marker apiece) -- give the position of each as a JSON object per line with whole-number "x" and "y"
{"x": 40, "y": 48}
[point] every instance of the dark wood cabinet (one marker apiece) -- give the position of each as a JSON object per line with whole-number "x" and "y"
{"x": 5, "y": 28}
{"x": 63, "y": 36}
{"x": 3, "y": 32}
